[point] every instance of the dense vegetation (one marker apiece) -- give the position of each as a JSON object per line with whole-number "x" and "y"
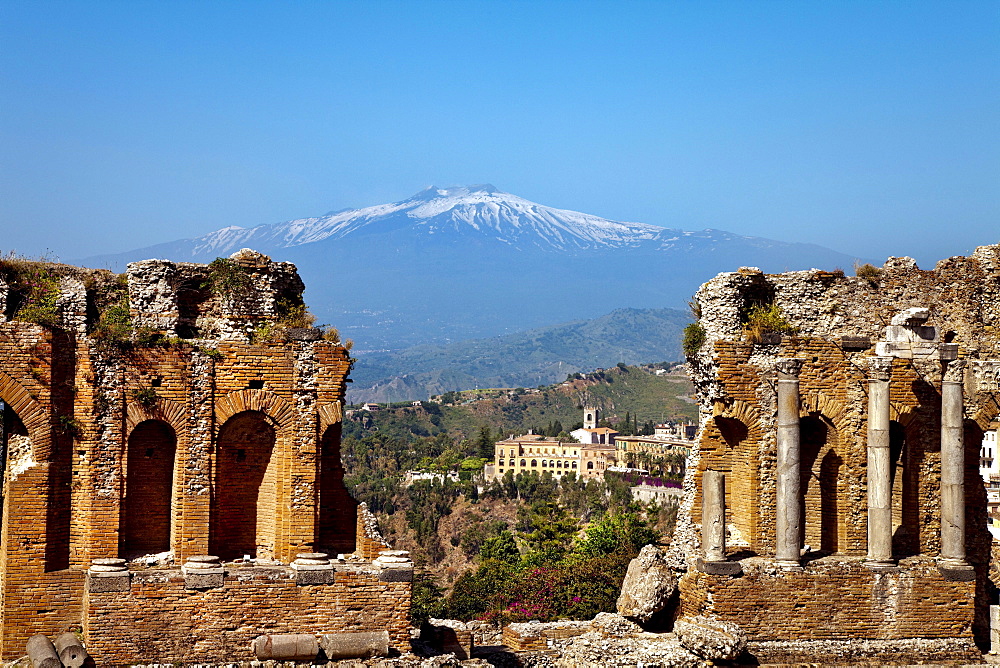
{"x": 525, "y": 547}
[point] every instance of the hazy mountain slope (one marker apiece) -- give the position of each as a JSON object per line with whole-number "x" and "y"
{"x": 615, "y": 391}
{"x": 458, "y": 263}
{"x": 526, "y": 359}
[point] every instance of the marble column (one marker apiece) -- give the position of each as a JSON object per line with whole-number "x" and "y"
{"x": 788, "y": 549}
{"x": 952, "y": 468}
{"x": 879, "y": 472}
{"x": 713, "y": 515}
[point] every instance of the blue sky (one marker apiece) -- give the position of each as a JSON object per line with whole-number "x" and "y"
{"x": 871, "y": 128}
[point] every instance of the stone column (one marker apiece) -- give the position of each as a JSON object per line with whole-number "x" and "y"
{"x": 713, "y": 515}
{"x": 879, "y": 474}
{"x": 952, "y": 468}
{"x": 789, "y": 503}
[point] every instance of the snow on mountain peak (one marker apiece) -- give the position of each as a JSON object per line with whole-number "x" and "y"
{"x": 472, "y": 209}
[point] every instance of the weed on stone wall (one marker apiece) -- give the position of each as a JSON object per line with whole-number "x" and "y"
{"x": 868, "y": 272}
{"x": 766, "y": 319}
{"x": 145, "y": 397}
{"x": 694, "y": 337}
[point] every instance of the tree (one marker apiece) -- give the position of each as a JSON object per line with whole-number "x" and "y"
{"x": 500, "y": 547}
{"x": 485, "y": 443}
{"x": 616, "y": 533}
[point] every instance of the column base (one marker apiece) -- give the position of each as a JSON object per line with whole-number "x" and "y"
{"x": 731, "y": 568}
{"x": 788, "y": 565}
{"x": 956, "y": 570}
{"x": 881, "y": 566}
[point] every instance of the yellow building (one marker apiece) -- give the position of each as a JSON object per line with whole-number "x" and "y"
{"x": 540, "y": 454}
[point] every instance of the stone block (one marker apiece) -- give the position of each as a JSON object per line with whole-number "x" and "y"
{"x": 356, "y": 645}
{"x": 285, "y": 647}
{"x": 855, "y": 343}
{"x": 318, "y": 576}
{"x": 396, "y": 575}
{"x": 958, "y": 573}
{"x": 304, "y": 334}
{"x": 206, "y": 579}
{"x": 649, "y": 583}
{"x": 99, "y": 583}
{"x": 449, "y": 635}
{"x": 711, "y": 639}
{"x": 731, "y": 568}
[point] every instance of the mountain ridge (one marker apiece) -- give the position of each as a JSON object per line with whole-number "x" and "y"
{"x": 449, "y": 264}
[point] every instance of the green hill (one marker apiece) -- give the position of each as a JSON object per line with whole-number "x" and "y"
{"x": 536, "y": 357}
{"x": 618, "y": 390}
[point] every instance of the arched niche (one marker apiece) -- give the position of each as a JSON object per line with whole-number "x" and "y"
{"x": 824, "y": 485}
{"x": 147, "y": 492}
{"x": 338, "y": 512}
{"x": 244, "y": 504}
{"x": 728, "y": 446}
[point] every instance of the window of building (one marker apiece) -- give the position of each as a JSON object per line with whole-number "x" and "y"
{"x": 534, "y": 463}
{"x": 522, "y": 462}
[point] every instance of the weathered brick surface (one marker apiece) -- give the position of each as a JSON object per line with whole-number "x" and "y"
{"x": 195, "y": 445}
{"x": 159, "y": 620}
{"x": 834, "y": 598}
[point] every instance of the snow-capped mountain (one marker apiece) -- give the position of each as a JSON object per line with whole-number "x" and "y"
{"x": 473, "y": 261}
{"x": 479, "y": 211}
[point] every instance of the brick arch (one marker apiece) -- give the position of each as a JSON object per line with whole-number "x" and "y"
{"x": 330, "y": 414}
{"x": 740, "y": 463}
{"x": 902, "y": 413}
{"x": 989, "y": 409}
{"x": 276, "y": 409}
{"x": 746, "y": 413}
{"x": 32, "y": 415}
{"x": 165, "y": 410}
{"x": 832, "y": 409}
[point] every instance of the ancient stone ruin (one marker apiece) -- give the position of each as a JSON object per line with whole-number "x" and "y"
{"x": 833, "y": 509}
{"x": 172, "y": 483}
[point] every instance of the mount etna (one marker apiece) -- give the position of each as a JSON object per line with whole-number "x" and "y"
{"x": 450, "y": 264}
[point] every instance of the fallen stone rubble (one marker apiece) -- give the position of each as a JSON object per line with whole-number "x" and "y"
{"x": 711, "y": 638}
{"x": 649, "y": 584}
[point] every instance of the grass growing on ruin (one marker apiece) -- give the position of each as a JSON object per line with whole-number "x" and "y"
{"x": 764, "y": 319}
{"x": 868, "y": 272}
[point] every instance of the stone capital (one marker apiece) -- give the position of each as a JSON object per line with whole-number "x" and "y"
{"x": 954, "y": 371}
{"x": 789, "y": 366}
{"x": 879, "y": 368}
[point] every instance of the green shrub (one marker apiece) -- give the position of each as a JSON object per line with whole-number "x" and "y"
{"x": 145, "y": 397}
{"x": 427, "y": 600}
{"x": 292, "y": 316}
{"x": 694, "y": 338}
{"x": 114, "y": 325}
{"x": 869, "y": 272}
{"x": 766, "y": 319}
{"x": 227, "y": 278}
{"x": 39, "y": 290}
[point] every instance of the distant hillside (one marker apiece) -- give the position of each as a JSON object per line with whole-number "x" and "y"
{"x": 645, "y": 396}
{"x": 526, "y": 359}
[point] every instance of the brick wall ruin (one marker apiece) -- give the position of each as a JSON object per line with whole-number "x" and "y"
{"x": 177, "y": 410}
{"x": 846, "y": 415}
